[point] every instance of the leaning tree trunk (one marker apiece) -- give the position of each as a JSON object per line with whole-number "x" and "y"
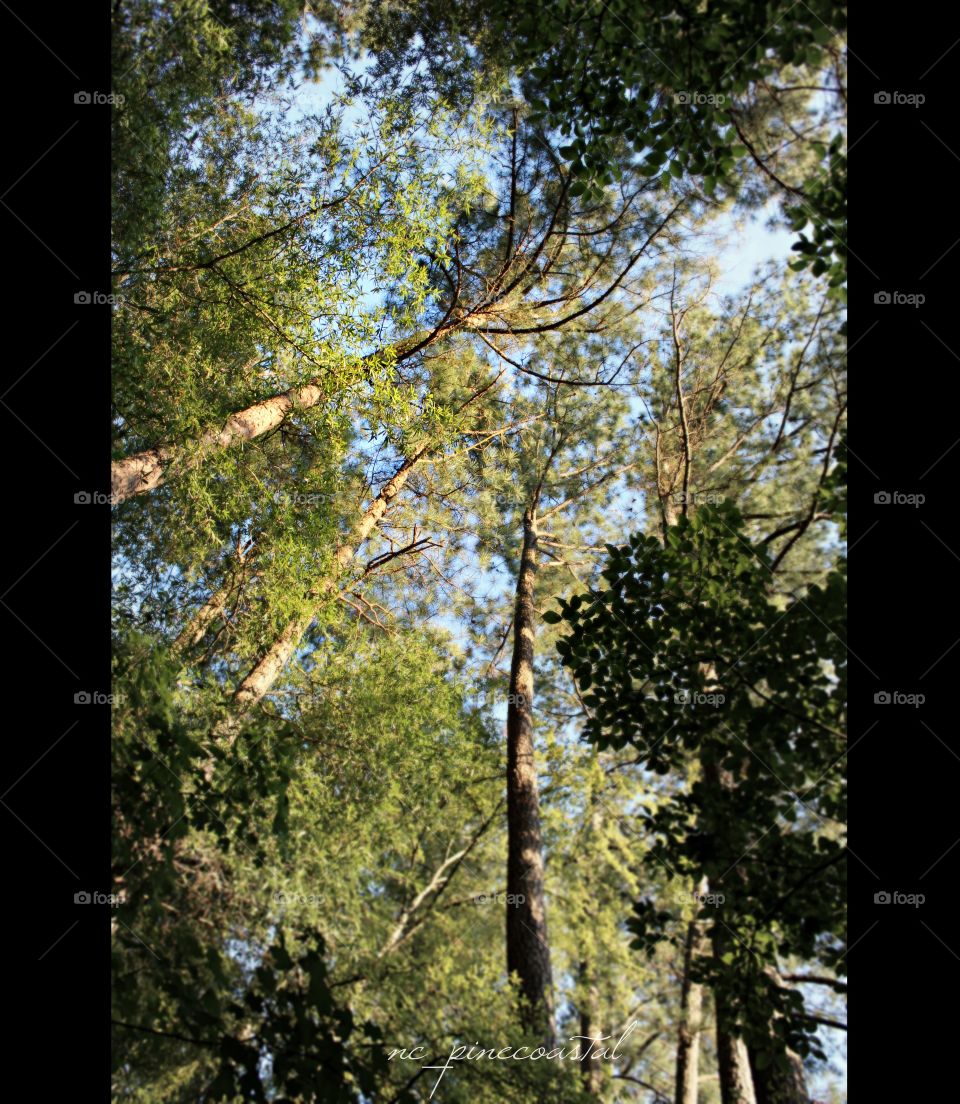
{"x": 265, "y": 672}
{"x": 144, "y": 471}
{"x": 528, "y": 951}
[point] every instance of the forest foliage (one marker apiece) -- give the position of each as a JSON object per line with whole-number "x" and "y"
{"x": 479, "y": 570}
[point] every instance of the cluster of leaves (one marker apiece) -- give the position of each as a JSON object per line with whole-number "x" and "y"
{"x": 824, "y": 209}
{"x": 666, "y": 77}
{"x": 169, "y": 61}
{"x": 243, "y": 1015}
{"x": 684, "y": 657}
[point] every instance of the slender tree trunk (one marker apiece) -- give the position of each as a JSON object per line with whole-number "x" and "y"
{"x": 146, "y": 470}
{"x": 196, "y": 628}
{"x": 691, "y": 1015}
{"x": 589, "y": 1002}
{"x": 265, "y": 672}
{"x": 528, "y": 950}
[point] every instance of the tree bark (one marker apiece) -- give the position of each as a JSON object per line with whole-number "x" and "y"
{"x": 146, "y": 470}
{"x": 736, "y": 1082}
{"x": 265, "y": 672}
{"x": 196, "y": 628}
{"x": 589, "y": 1002}
{"x": 776, "y": 1084}
{"x": 528, "y": 950}
{"x": 691, "y": 1013}
{"x": 783, "y": 1082}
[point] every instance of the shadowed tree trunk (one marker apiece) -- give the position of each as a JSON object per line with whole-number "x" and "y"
{"x": 736, "y": 1080}
{"x": 528, "y": 951}
{"x": 781, "y": 1082}
{"x": 776, "y": 1084}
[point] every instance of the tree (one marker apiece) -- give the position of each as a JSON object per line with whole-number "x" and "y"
{"x": 392, "y": 375}
{"x": 685, "y": 652}
{"x": 719, "y": 92}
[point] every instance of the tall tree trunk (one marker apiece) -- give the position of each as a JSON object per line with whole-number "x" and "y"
{"x": 736, "y": 1082}
{"x": 691, "y": 1015}
{"x": 589, "y": 1002}
{"x": 782, "y": 1082}
{"x": 528, "y": 950}
{"x": 265, "y": 672}
{"x": 776, "y": 1084}
{"x": 146, "y": 470}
